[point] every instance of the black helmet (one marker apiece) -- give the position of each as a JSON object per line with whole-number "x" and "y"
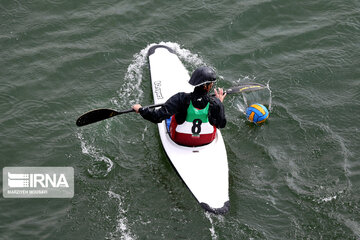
{"x": 202, "y": 75}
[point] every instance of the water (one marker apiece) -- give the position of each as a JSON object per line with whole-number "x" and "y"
{"x": 295, "y": 177}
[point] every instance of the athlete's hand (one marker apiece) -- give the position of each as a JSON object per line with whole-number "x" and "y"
{"x": 220, "y": 95}
{"x": 136, "y": 107}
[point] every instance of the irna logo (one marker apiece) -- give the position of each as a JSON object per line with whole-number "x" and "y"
{"x": 38, "y": 182}
{"x": 18, "y": 180}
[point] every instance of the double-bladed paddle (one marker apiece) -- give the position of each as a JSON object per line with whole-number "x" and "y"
{"x": 104, "y": 113}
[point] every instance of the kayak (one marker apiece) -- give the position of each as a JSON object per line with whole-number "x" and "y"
{"x": 203, "y": 169}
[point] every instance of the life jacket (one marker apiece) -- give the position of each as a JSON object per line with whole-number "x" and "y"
{"x": 196, "y": 130}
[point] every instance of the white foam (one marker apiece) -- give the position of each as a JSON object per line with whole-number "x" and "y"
{"x": 328, "y": 199}
{"x": 210, "y": 216}
{"x": 184, "y": 54}
{"x": 144, "y": 132}
{"x": 96, "y": 155}
{"x": 270, "y": 97}
{"x": 122, "y": 227}
{"x": 212, "y": 229}
{"x": 131, "y": 92}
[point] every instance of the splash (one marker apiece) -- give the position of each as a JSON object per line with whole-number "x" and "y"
{"x": 101, "y": 165}
{"x": 262, "y": 96}
{"x": 122, "y": 230}
{"x": 328, "y": 199}
{"x": 270, "y": 96}
{"x": 130, "y": 92}
{"x": 210, "y": 216}
{"x": 187, "y": 57}
{"x": 212, "y": 229}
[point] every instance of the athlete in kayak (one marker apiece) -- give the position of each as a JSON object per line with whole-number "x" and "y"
{"x": 194, "y": 116}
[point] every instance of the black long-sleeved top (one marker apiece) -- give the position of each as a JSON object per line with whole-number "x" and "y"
{"x": 178, "y": 105}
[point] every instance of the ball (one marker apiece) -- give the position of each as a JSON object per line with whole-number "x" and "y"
{"x": 257, "y": 113}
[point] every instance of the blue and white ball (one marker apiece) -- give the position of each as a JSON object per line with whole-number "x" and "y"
{"x": 257, "y": 113}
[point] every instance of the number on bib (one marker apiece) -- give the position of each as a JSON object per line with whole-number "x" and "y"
{"x": 196, "y": 128}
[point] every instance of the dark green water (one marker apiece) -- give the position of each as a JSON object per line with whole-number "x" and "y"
{"x": 295, "y": 177}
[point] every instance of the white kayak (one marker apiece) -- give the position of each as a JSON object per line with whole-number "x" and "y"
{"x": 203, "y": 169}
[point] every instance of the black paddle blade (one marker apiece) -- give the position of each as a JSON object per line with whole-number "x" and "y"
{"x": 249, "y": 87}
{"x": 95, "y": 116}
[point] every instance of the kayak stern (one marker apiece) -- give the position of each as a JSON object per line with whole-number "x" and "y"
{"x": 222, "y": 210}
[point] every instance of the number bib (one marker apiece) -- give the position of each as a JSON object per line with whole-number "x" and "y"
{"x": 196, "y": 130}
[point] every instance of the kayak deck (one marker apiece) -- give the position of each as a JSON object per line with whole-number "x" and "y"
{"x": 203, "y": 169}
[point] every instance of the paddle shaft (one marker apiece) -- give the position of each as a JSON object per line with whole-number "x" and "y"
{"x": 132, "y": 110}
{"x": 102, "y": 114}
